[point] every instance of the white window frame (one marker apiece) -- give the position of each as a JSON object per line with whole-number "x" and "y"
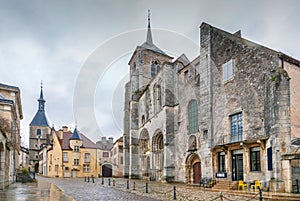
{"x": 86, "y": 168}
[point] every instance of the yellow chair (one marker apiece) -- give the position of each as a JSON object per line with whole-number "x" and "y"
{"x": 256, "y": 185}
{"x": 242, "y": 185}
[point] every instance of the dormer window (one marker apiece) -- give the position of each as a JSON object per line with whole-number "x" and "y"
{"x": 76, "y": 148}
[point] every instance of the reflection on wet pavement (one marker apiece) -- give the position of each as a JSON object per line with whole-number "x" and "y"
{"x": 39, "y": 191}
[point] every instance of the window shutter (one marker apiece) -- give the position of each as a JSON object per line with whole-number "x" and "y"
{"x": 269, "y": 153}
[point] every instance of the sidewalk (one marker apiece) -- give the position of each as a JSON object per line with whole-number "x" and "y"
{"x": 37, "y": 191}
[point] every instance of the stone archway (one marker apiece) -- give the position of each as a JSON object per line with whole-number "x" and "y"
{"x": 193, "y": 169}
{"x": 107, "y": 170}
{"x": 36, "y": 168}
{"x": 158, "y": 155}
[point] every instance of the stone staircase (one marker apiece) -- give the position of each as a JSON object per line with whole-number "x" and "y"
{"x": 225, "y": 185}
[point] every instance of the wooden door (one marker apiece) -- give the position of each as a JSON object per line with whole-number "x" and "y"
{"x": 197, "y": 172}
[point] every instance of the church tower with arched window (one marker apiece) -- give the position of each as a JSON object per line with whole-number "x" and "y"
{"x": 39, "y": 132}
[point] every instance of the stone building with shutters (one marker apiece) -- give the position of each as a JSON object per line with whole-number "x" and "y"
{"x": 230, "y": 114}
{"x": 11, "y": 114}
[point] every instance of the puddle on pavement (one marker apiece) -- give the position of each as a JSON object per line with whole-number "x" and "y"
{"x": 40, "y": 191}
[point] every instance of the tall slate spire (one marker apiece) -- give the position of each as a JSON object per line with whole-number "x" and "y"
{"x": 149, "y": 42}
{"x": 40, "y": 118}
{"x": 41, "y": 100}
{"x": 149, "y": 35}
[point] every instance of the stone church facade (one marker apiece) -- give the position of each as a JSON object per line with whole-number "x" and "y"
{"x": 231, "y": 114}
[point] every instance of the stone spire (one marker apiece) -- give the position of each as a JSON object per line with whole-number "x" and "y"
{"x": 149, "y": 35}
{"x": 149, "y": 42}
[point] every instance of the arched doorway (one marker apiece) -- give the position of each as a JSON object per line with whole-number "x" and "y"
{"x": 158, "y": 155}
{"x": 144, "y": 151}
{"x": 193, "y": 169}
{"x": 107, "y": 170}
{"x": 36, "y": 168}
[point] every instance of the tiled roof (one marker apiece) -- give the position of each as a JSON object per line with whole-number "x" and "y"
{"x": 86, "y": 142}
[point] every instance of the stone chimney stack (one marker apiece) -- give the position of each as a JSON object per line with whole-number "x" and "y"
{"x": 60, "y": 134}
{"x": 65, "y": 128}
{"x": 110, "y": 139}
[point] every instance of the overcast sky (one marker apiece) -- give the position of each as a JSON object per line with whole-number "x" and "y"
{"x": 80, "y": 49}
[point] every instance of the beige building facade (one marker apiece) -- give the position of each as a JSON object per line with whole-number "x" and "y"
{"x": 10, "y": 115}
{"x": 71, "y": 154}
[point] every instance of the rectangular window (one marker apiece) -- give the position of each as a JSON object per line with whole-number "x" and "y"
{"x": 76, "y": 148}
{"x": 121, "y": 160}
{"x": 66, "y": 168}
{"x": 56, "y": 168}
{"x": 76, "y": 161}
{"x": 236, "y": 127}
{"x": 86, "y": 168}
{"x": 105, "y": 154}
{"x": 227, "y": 70}
{"x": 221, "y": 162}
{"x": 255, "y": 159}
{"x": 50, "y": 158}
{"x": 65, "y": 157}
{"x": 49, "y": 168}
{"x": 269, "y": 153}
{"x": 87, "y": 158}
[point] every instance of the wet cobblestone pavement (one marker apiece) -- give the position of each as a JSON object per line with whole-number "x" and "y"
{"x": 70, "y": 189}
{"x": 37, "y": 191}
{"x": 82, "y": 191}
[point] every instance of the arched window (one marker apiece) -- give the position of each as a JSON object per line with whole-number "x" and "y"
{"x": 143, "y": 119}
{"x": 38, "y": 132}
{"x": 193, "y": 116}
{"x": 155, "y": 68}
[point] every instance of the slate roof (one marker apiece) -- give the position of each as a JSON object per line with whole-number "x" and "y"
{"x": 75, "y": 135}
{"x": 40, "y": 118}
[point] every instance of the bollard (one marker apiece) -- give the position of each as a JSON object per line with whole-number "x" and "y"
{"x": 297, "y": 185}
{"x": 102, "y": 181}
{"x": 133, "y": 185}
{"x": 93, "y": 178}
{"x": 260, "y": 194}
{"x": 175, "y": 193}
{"x": 147, "y": 187}
{"x": 114, "y": 182}
{"x": 84, "y": 179}
{"x": 221, "y": 196}
{"x": 109, "y": 182}
{"x": 127, "y": 186}
{"x": 88, "y": 178}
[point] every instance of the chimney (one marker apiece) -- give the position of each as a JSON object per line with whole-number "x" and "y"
{"x": 103, "y": 139}
{"x": 110, "y": 139}
{"x": 65, "y": 128}
{"x": 60, "y": 134}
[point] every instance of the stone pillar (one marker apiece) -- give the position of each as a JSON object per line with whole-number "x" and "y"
{"x": 286, "y": 175}
{"x": 134, "y": 167}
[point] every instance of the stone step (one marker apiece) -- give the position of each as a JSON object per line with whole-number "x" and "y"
{"x": 225, "y": 184}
